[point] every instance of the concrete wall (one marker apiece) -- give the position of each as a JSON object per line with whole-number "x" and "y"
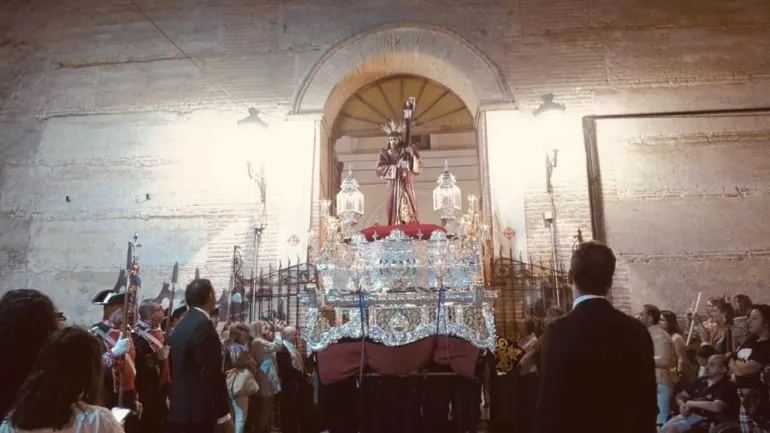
{"x": 96, "y": 104}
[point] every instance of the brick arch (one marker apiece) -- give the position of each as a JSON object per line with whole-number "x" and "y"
{"x": 400, "y": 48}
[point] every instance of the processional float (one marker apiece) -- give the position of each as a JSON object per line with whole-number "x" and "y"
{"x": 398, "y": 284}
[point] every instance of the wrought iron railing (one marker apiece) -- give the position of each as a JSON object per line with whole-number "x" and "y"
{"x": 526, "y": 289}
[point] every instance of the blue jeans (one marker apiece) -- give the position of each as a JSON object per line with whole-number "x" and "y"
{"x": 683, "y": 423}
{"x": 664, "y": 403}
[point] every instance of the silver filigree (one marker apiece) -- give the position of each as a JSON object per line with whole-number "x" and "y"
{"x": 396, "y": 319}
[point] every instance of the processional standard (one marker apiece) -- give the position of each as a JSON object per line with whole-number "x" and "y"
{"x": 400, "y": 283}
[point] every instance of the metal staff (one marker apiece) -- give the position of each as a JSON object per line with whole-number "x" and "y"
{"x": 174, "y": 280}
{"x": 233, "y": 277}
{"x": 133, "y": 284}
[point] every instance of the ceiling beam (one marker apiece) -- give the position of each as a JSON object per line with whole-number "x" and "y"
{"x": 372, "y": 107}
{"x": 387, "y": 102}
{"x": 360, "y": 119}
{"x": 432, "y": 104}
{"x": 456, "y": 110}
{"x": 443, "y": 129}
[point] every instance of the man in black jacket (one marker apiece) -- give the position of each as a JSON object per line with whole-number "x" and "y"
{"x": 597, "y": 371}
{"x": 293, "y": 380}
{"x": 151, "y": 363}
{"x": 199, "y": 399}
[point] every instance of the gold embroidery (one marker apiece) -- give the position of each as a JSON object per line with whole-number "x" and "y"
{"x": 507, "y": 355}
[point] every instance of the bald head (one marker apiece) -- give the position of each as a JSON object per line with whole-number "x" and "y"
{"x": 717, "y": 366}
{"x": 290, "y": 332}
{"x": 719, "y": 360}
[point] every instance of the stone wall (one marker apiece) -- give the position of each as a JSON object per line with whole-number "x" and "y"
{"x": 97, "y": 104}
{"x": 686, "y": 205}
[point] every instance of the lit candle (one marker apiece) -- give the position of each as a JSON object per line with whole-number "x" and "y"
{"x": 325, "y": 206}
{"x": 484, "y": 232}
{"x": 473, "y": 203}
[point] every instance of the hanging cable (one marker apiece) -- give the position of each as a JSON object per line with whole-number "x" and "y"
{"x": 191, "y": 60}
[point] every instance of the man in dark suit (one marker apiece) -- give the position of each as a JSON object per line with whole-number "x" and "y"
{"x": 293, "y": 382}
{"x": 199, "y": 399}
{"x": 597, "y": 370}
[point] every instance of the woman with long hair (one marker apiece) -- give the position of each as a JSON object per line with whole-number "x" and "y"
{"x": 241, "y": 380}
{"x": 264, "y": 345}
{"x": 62, "y": 391}
{"x": 670, "y": 323}
{"x": 747, "y": 364}
{"x": 27, "y": 318}
{"x": 719, "y": 335}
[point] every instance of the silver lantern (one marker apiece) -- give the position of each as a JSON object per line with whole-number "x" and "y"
{"x": 350, "y": 202}
{"x": 447, "y": 197}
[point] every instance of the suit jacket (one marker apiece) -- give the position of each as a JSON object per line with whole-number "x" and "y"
{"x": 597, "y": 373}
{"x": 198, "y": 385}
{"x": 291, "y": 378}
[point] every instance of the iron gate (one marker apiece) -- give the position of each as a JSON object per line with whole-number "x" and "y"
{"x": 525, "y": 290}
{"x": 271, "y": 295}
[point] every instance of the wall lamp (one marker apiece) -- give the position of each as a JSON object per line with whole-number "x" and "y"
{"x": 549, "y": 115}
{"x": 253, "y": 119}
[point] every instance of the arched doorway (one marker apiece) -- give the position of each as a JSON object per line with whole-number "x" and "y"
{"x": 428, "y": 52}
{"x": 400, "y": 49}
{"x": 444, "y": 132}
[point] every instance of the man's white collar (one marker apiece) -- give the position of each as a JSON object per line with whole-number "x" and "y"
{"x": 582, "y": 298}
{"x": 208, "y": 316}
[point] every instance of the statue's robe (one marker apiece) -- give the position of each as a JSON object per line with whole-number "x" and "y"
{"x": 402, "y": 203}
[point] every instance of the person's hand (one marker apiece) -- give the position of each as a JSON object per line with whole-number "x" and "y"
{"x": 121, "y": 346}
{"x": 163, "y": 353}
{"x": 279, "y": 325}
{"x": 226, "y": 427}
{"x": 138, "y": 409}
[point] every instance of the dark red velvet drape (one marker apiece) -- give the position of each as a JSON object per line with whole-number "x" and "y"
{"x": 342, "y": 360}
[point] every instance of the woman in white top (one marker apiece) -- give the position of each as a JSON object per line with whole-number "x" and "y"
{"x": 60, "y": 393}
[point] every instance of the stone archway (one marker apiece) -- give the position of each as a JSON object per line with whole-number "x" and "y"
{"x": 423, "y": 50}
{"x": 401, "y": 48}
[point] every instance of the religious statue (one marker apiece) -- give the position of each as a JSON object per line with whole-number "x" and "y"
{"x": 399, "y": 161}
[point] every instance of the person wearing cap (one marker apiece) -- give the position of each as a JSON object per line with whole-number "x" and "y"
{"x": 119, "y": 354}
{"x": 152, "y": 366}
